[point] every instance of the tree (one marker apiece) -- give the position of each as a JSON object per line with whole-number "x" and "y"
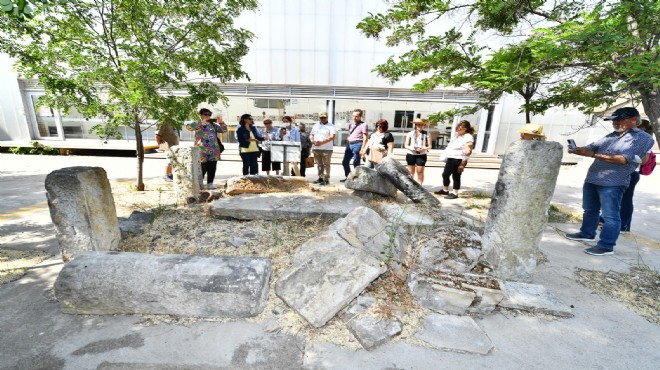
{"x": 125, "y": 60}
{"x": 26, "y": 9}
{"x": 584, "y": 54}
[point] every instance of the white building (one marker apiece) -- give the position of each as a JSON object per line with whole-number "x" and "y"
{"x": 307, "y": 57}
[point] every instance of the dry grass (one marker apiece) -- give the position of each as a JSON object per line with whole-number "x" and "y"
{"x": 14, "y": 264}
{"x": 638, "y": 289}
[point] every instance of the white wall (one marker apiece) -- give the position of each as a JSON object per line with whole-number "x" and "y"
{"x": 13, "y": 124}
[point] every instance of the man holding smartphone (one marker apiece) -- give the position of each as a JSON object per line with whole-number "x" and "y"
{"x": 616, "y": 156}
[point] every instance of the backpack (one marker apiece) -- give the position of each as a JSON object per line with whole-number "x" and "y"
{"x": 647, "y": 168}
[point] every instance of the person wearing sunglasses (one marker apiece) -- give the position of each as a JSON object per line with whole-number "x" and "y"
{"x": 248, "y": 136}
{"x": 380, "y": 144}
{"x": 207, "y": 136}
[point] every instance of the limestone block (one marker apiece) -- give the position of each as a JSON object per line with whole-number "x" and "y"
{"x": 408, "y": 214}
{"x": 323, "y": 285}
{"x": 455, "y": 333}
{"x": 258, "y": 184}
{"x": 184, "y": 285}
{"x": 370, "y": 330}
{"x": 366, "y": 179}
{"x": 398, "y": 175}
{"x": 187, "y": 171}
{"x": 281, "y": 205}
{"x": 455, "y": 293}
{"x": 519, "y": 209}
{"x": 533, "y": 298}
{"x": 83, "y": 210}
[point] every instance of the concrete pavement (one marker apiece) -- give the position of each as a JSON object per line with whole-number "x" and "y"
{"x": 35, "y": 334}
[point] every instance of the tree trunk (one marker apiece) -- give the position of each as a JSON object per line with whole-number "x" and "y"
{"x": 140, "y": 152}
{"x": 651, "y": 104}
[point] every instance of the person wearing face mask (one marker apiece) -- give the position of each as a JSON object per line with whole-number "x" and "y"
{"x": 616, "y": 156}
{"x": 290, "y": 133}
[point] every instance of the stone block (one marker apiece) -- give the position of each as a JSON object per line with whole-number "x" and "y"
{"x": 370, "y": 330}
{"x": 519, "y": 208}
{"x": 281, "y": 205}
{"x": 533, "y": 298}
{"x": 83, "y": 210}
{"x": 409, "y": 215}
{"x": 135, "y": 223}
{"x": 396, "y": 173}
{"x": 187, "y": 171}
{"x": 455, "y": 333}
{"x": 455, "y": 293}
{"x": 366, "y": 179}
{"x": 323, "y": 285}
{"x": 259, "y": 184}
{"x": 105, "y": 283}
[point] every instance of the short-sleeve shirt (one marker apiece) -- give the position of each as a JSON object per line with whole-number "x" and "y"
{"x": 456, "y": 146}
{"x": 323, "y": 132}
{"x": 252, "y": 147}
{"x": 379, "y": 140}
{"x": 417, "y": 140}
{"x": 205, "y": 139}
{"x": 356, "y": 132}
{"x": 633, "y": 145}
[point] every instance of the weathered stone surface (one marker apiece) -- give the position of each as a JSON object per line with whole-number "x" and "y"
{"x": 370, "y": 330}
{"x": 187, "y": 171}
{"x": 407, "y": 215}
{"x": 363, "y": 228}
{"x": 519, "y": 209}
{"x": 455, "y": 333}
{"x": 443, "y": 249}
{"x": 454, "y": 293}
{"x": 322, "y": 285}
{"x": 534, "y": 298}
{"x": 366, "y": 179}
{"x": 258, "y": 184}
{"x": 322, "y": 244}
{"x": 83, "y": 210}
{"x": 398, "y": 175}
{"x": 279, "y": 205}
{"x": 183, "y": 285}
{"x": 135, "y": 223}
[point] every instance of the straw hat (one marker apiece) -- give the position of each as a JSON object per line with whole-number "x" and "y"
{"x": 532, "y": 129}
{"x": 420, "y": 121}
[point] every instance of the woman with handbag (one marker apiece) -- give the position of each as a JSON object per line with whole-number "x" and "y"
{"x": 207, "y": 139}
{"x": 248, "y": 136}
{"x": 380, "y": 144}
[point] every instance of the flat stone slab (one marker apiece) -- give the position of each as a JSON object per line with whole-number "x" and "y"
{"x": 135, "y": 223}
{"x": 280, "y": 205}
{"x": 407, "y": 215}
{"x": 370, "y": 330}
{"x": 455, "y": 333}
{"x": 105, "y": 283}
{"x": 259, "y": 184}
{"x": 534, "y": 298}
{"x": 321, "y": 286}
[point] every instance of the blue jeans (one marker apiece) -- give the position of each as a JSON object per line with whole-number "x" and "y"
{"x": 352, "y": 151}
{"x": 627, "y": 202}
{"x": 608, "y": 199}
{"x": 250, "y": 163}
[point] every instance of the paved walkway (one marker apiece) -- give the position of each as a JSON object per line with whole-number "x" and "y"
{"x": 35, "y": 334}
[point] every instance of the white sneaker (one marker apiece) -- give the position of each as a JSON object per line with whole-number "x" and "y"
{"x": 210, "y": 187}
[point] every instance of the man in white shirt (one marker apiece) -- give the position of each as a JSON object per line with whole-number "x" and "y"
{"x": 322, "y": 137}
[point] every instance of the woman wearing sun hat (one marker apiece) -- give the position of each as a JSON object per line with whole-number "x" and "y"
{"x": 418, "y": 143}
{"x": 532, "y": 131}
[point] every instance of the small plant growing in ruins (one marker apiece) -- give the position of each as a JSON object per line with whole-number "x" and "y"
{"x": 392, "y": 230}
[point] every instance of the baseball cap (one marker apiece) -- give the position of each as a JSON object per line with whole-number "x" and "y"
{"x": 323, "y": 114}
{"x": 622, "y": 113}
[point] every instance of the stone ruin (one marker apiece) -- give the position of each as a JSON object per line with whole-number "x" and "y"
{"x": 441, "y": 257}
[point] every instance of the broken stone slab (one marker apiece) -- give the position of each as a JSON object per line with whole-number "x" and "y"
{"x": 517, "y": 216}
{"x": 322, "y": 244}
{"x": 259, "y": 184}
{"x": 396, "y": 173}
{"x": 82, "y": 209}
{"x": 455, "y": 333}
{"x": 365, "y": 326}
{"x": 369, "y": 180}
{"x": 533, "y": 298}
{"x": 135, "y": 223}
{"x": 408, "y": 215}
{"x": 455, "y": 294}
{"x": 281, "y": 205}
{"x": 320, "y": 287}
{"x": 105, "y": 283}
{"x": 187, "y": 171}
{"x": 443, "y": 249}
